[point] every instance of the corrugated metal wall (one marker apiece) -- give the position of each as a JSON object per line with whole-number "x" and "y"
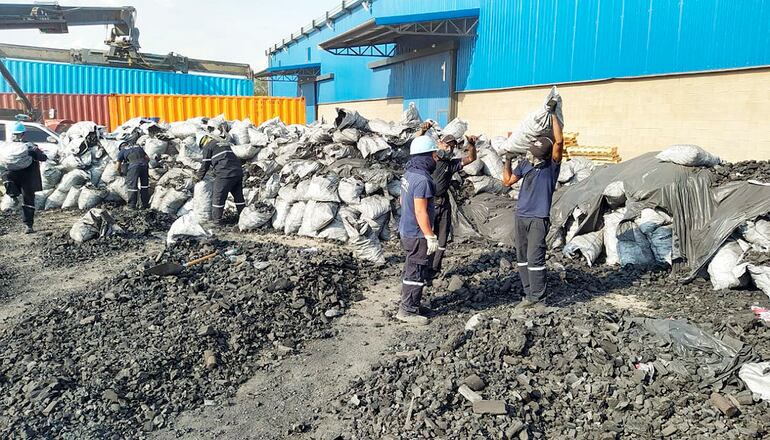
{"x": 73, "y": 107}
{"x": 524, "y": 42}
{"x": 172, "y": 108}
{"x": 531, "y": 42}
{"x": 37, "y": 77}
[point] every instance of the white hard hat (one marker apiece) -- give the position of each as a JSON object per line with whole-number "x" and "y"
{"x": 423, "y": 144}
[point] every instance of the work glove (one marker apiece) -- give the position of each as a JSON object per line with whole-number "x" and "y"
{"x": 432, "y": 244}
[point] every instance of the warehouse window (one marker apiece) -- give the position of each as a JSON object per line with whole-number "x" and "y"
{"x": 308, "y": 54}
{"x": 2, "y": 132}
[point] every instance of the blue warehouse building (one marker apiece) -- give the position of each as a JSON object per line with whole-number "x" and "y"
{"x": 637, "y": 74}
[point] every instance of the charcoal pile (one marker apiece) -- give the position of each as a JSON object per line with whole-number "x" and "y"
{"x": 570, "y": 373}
{"x": 127, "y": 355}
{"x": 7, "y": 278}
{"x": 134, "y": 228}
{"x": 745, "y": 170}
{"x": 6, "y": 222}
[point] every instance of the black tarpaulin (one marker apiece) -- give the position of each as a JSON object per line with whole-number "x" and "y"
{"x": 737, "y": 203}
{"x": 683, "y": 192}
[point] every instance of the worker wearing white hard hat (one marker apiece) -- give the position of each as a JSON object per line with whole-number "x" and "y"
{"x": 416, "y": 226}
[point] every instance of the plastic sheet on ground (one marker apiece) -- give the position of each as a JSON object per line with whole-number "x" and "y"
{"x": 689, "y": 340}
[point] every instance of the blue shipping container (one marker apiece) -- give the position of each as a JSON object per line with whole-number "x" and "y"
{"x": 37, "y": 77}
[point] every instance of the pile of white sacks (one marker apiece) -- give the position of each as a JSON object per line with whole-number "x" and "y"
{"x": 338, "y": 180}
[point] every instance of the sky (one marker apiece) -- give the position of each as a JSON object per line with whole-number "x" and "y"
{"x": 224, "y": 30}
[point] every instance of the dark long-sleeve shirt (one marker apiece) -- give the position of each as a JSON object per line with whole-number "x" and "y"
{"x": 219, "y": 157}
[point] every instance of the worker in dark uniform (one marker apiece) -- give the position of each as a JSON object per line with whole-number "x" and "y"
{"x": 539, "y": 174}
{"x": 26, "y": 181}
{"x": 416, "y": 228}
{"x": 137, "y": 171}
{"x": 227, "y": 169}
{"x": 446, "y": 167}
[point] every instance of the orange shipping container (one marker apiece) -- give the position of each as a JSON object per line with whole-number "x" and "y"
{"x": 171, "y": 108}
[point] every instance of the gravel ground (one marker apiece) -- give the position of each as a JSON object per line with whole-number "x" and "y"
{"x": 569, "y": 370}
{"x": 306, "y": 346}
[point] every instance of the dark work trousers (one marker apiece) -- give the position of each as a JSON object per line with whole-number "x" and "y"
{"x": 223, "y": 187}
{"x": 530, "y": 255}
{"x": 27, "y": 205}
{"x": 25, "y": 186}
{"x": 138, "y": 183}
{"x": 442, "y": 227}
{"x": 415, "y": 273}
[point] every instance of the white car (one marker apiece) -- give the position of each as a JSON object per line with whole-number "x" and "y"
{"x": 46, "y": 139}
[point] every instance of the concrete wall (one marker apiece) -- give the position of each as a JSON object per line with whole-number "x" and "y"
{"x": 386, "y": 109}
{"x": 722, "y": 112}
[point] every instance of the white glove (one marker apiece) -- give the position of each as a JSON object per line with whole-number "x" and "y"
{"x": 432, "y": 244}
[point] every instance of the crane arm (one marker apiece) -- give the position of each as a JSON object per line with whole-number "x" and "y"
{"x": 169, "y": 62}
{"x": 53, "y": 18}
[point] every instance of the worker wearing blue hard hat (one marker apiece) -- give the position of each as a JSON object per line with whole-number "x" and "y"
{"x": 416, "y": 226}
{"x": 22, "y": 174}
{"x": 18, "y": 131}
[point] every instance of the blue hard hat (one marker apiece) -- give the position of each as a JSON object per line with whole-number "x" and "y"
{"x": 423, "y": 144}
{"x": 18, "y": 128}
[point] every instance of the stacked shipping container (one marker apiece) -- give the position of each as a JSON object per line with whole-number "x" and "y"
{"x": 37, "y": 77}
{"x": 113, "y": 110}
{"x": 110, "y": 96}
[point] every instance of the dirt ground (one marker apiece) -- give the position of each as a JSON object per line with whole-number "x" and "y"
{"x": 283, "y": 397}
{"x": 290, "y": 396}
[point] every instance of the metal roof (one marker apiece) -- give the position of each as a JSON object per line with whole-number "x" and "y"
{"x": 296, "y": 72}
{"x": 377, "y": 37}
{"x": 325, "y": 20}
